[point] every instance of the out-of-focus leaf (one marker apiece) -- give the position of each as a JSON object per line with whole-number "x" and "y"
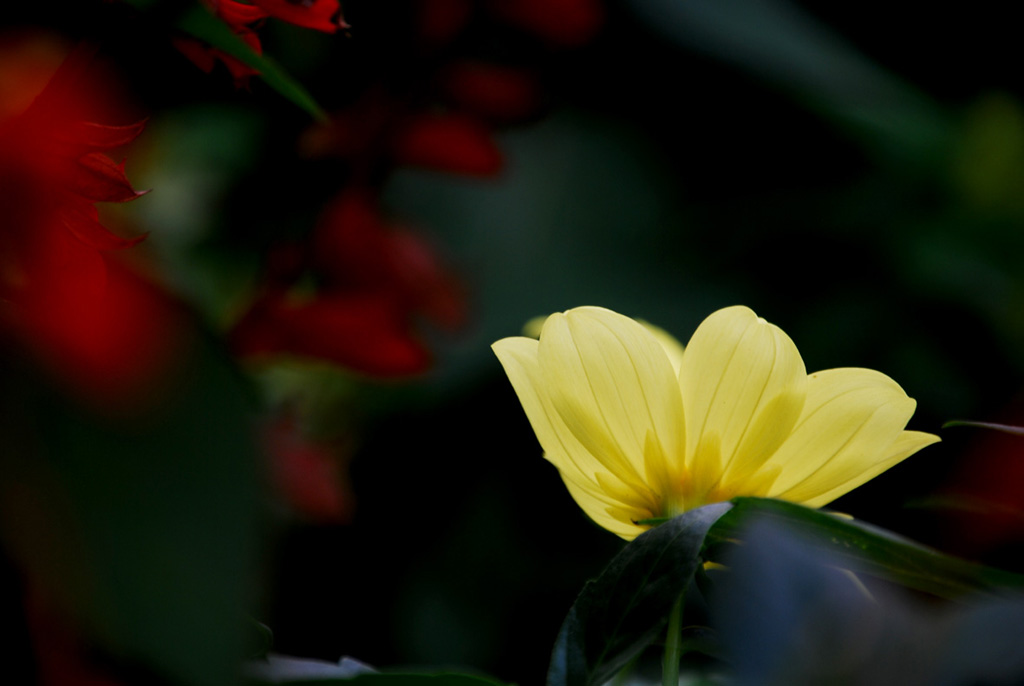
{"x": 790, "y": 612}
{"x": 143, "y": 527}
{"x": 623, "y": 610}
{"x": 867, "y": 548}
{"x": 778, "y": 41}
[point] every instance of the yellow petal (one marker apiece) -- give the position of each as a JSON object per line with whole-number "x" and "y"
{"x": 575, "y": 462}
{"x": 533, "y": 327}
{"x": 602, "y": 513}
{"x": 518, "y": 355}
{"x": 613, "y": 385}
{"x": 851, "y": 429}
{"x": 744, "y": 380}
{"x": 908, "y": 443}
{"x": 673, "y": 348}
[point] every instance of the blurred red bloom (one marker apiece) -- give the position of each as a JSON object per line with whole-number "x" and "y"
{"x": 366, "y": 333}
{"x": 448, "y": 142}
{"x": 96, "y": 324}
{"x": 355, "y": 250}
{"x": 373, "y": 280}
{"x": 309, "y": 474}
{"x": 378, "y": 130}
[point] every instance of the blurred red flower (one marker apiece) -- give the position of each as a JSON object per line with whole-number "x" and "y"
{"x": 355, "y": 250}
{"x": 373, "y": 282}
{"x": 379, "y": 131}
{"x": 447, "y": 142}
{"x": 308, "y": 474}
{"x": 94, "y": 322}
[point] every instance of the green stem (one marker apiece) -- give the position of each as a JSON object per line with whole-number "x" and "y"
{"x": 670, "y": 663}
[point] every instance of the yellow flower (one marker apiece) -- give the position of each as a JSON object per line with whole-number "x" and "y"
{"x": 640, "y": 428}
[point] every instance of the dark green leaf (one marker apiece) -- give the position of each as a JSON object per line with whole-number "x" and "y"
{"x": 623, "y": 610}
{"x": 870, "y": 549}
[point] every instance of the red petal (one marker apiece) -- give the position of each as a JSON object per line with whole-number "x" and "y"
{"x": 367, "y": 334}
{"x": 84, "y": 222}
{"x": 196, "y": 51}
{"x": 98, "y": 178}
{"x": 205, "y": 56}
{"x": 454, "y": 143}
{"x": 87, "y": 136}
{"x": 492, "y": 91}
{"x": 239, "y": 70}
{"x": 322, "y": 15}
{"x": 238, "y": 13}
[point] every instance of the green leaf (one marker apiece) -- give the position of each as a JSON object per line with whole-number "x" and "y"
{"x": 626, "y": 607}
{"x": 203, "y": 25}
{"x": 870, "y": 549}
